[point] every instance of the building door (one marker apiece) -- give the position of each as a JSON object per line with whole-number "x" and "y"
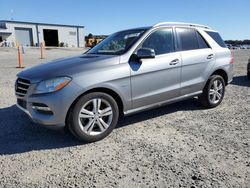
{"x": 51, "y": 37}
{"x": 24, "y": 36}
{"x": 1, "y": 39}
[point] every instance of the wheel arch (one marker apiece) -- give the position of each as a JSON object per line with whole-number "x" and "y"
{"x": 105, "y": 90}
{"x": 221, "y": 73}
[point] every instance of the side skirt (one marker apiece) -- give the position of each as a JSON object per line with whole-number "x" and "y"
{"x": 163, "y": 103}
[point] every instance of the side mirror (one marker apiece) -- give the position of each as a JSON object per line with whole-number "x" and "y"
{"x": 145, "y": 53}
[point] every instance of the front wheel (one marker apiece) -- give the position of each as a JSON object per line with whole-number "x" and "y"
{"x": 94, "y": 116}
{"x": 213, "y": 93}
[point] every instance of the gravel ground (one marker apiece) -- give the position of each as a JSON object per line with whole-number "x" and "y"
{"x": 180, "y": 145}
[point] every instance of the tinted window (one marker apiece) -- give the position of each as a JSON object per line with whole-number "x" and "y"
{"x": 201, "y": 41}
{"x": 217, "y": 38}
{"x": 188, "y": 39}
{"x": 162, "y": 41}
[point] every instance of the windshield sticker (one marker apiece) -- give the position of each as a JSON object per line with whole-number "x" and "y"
{"x": 131, "y": 35}
{"x": 107, "y": 51}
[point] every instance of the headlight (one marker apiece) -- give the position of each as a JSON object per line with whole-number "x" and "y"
{"x": 52, "y": 85}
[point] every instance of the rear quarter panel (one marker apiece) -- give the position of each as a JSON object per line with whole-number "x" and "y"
{"x": 222, "y": 57}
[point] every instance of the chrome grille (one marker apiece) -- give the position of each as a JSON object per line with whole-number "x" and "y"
{"x": 22, "y": 87}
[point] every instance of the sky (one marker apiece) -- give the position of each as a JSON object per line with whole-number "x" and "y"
{"x": 230, "y": 17}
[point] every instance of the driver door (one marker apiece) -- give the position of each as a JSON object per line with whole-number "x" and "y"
{"x": 156, "y": 79}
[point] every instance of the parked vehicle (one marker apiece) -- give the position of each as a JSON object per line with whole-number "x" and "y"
{"x": 128, "y": 72}
{"x": 235, "y": 47}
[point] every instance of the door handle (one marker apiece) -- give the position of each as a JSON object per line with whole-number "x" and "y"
{"x": 174, "y": 62}
{"x": 210, "y": 56}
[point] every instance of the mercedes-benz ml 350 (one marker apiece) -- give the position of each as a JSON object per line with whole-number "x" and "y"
{"x": 130, "y": 71}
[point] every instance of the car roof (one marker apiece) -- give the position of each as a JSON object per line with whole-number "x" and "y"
{"x": 172, "y": 24}
{"x": 181, "y": 24}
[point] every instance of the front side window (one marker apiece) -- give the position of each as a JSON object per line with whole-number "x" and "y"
{"x": 118, "y": 43}
{"x": 162, "y": 41}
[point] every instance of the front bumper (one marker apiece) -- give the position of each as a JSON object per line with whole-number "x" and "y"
{"x": 59, "y": 102}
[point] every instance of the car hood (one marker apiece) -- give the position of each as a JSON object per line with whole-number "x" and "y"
{"x": 67, "y": 67}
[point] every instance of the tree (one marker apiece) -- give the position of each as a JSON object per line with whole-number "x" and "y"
{"x": 238, "y": 42}
{"x": 90, "y": 35}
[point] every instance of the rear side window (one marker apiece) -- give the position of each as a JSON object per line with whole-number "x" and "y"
{"x": 190, "y": 39}
{"x": 217, "y": 38}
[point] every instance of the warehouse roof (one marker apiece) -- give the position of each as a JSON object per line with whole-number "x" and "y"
{"x": 37, "y": 23}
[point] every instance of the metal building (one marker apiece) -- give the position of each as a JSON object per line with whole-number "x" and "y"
{"x": 32, "y": 34}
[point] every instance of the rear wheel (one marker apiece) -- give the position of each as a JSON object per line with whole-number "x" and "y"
{"x": 93, "y": 117}
{"x": 213, "y": 93}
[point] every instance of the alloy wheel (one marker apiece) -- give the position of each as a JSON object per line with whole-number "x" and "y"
{"x": 95, "y": 116}
{"x": 216, "y": 91}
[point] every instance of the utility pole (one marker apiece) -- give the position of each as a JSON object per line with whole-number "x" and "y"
{"x": 11, "y": 14}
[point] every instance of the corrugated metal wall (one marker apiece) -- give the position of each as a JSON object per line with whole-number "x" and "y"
{"x": 24, "y": 36}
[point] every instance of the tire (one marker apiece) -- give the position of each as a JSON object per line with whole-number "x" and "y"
{"x": 213, "y": 92}
{"x": 93, "y": 117}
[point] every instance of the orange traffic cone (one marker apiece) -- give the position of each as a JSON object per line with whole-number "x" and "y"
{"x": 19, "y": 56}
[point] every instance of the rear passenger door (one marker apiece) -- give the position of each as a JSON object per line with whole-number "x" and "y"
{"x": 197, "y": 59}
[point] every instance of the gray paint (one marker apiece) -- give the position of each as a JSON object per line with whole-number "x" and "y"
{"x": 140, "y": 85}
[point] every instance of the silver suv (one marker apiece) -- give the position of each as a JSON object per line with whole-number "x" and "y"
{"x": 130, "y": 71}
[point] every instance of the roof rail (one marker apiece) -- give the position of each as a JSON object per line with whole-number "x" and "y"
{"x": 181, "y": 24}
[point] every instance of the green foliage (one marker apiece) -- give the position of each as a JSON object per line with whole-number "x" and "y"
{"x": 238, "y": 42}
{"x": 90, "y": 35}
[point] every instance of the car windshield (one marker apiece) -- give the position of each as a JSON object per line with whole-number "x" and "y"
{"x": 117, "y": 43}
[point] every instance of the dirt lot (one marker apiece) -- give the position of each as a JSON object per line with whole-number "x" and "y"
{"x": 180, "y": 145}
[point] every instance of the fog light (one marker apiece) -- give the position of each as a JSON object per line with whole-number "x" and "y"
{"x": 42, "y": 108}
